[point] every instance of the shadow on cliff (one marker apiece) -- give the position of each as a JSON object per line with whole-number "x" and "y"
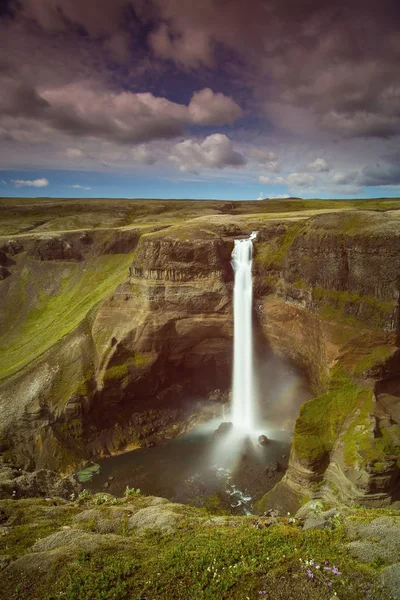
{"x": 281, "y": 386}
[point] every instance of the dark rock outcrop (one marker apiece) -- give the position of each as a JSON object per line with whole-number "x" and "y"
{"x": 55, "y": 248}
{"x": 16, "y": 484}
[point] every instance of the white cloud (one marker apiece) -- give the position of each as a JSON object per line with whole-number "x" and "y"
{"x": 300, "y": 180}
{"x": 292, "y": 180}
{"x": 269, "y": 160}
{"x": 215, "y": 152}
{"x": 79, "y": 187}
{"x": 209, "y": 108}
{"x": 280, "y": 197}
{"x": 142, "y": 155}
{"x": 344, "y": 178}
{"x": 38, "y": 183}
{"x": 319, "y": 165}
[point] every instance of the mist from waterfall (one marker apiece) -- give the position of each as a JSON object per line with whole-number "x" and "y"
{"x": 243, "y": 400}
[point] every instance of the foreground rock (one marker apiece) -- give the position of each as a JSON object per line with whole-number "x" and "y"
{"x": 101, "y": 546}
{"x": 16, "y": 484}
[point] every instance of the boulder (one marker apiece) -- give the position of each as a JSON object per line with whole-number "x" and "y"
{"x": 390, "y": 577}
{"x": 12, "y": 247}
{"x": 224, "y": 428}
{"x": 39, "y": 483}
{"x": 161, "y": 518}
{"x": 263, "y": 440}
{"x": 55, "y": 248}
{"x": 4, "y": 273}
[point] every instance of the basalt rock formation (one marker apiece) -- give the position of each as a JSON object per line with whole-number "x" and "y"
{"x": 115, "y": 334}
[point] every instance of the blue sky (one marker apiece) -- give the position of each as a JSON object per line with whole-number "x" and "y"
{"x": 168, "y": 98}
{"x": 122, "y": 185}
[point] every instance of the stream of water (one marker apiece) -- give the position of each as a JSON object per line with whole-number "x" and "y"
{"x": 243, "y": 398}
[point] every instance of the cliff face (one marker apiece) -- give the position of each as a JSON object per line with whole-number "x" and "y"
{"x": 121, "y": 331}
{"x": 134, "y": 359}
{"x": 335, "y": 311}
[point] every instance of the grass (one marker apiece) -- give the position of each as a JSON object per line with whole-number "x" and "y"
{"x": 378, "y": 355}
{"x": 322, "y": 419}
{"x": 121, "y": 372}
{"x": 45, "y": 318}
{"x": 32, "y": 519}
{"x": 353, "y": 309}
{"x": 19, "y": 215}
{"x": 270, "y": 254}
{"x": 233, "y": 560}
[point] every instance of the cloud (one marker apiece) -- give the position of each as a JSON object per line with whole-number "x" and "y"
{"x": 300, "y": 180}
{"x": 268, "y": 159}
{"x": 143, "y": 155}
{"x": 215, "y": 152}
{"x": 189, "y": 48}
{"x": 292, "y": 180}
{"x": 385, "y": 173}
{"x": 86, "y": 110}
{"x": 79, "y": 187}
{"x": 325, "y": 72}
{"x": 38, "y": 183}
{"x": 345, "y": 178}
{"x": 208, "y": 108}
{"x": 319, "y": 166}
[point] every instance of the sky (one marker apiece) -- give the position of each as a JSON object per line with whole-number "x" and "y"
{"x": 225, "y": 99}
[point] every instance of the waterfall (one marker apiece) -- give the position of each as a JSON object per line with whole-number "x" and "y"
{"x": 243, "y": 384}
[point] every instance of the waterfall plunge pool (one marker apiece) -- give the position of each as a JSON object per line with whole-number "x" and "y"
{"x": 200, "y": 468}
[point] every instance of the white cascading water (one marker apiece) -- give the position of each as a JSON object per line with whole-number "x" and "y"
{"x": 243, "y": 384}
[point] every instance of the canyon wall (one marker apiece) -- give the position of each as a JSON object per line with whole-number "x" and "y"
{"x": 122, "y": 335}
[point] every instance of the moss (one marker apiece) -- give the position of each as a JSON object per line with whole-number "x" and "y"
{"x": 203, "y": 560}
{"x": 377, "y": 355}
{"x": 321, "y": 419}
{"x": 121, "y": 372}
{"x": 72, "y": 428}
{"x": 271, "y": 254}
{"x": 300, "y": 285}
{"x": 51, "y": 317}
{"x": 32, "y": 519}
{"x": 358, "y": 433}
{"x": 352, "y": 309}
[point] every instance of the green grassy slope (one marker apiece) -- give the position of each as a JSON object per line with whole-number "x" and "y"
{"x": 47, "y": 300}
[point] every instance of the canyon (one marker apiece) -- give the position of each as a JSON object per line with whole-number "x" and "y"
{"x": 117, "y": 331}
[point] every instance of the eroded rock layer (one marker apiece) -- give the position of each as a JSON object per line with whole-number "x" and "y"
{"x": 115, "y": 336}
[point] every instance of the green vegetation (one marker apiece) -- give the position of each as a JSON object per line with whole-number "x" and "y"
{"x": 87, "y": 473}
{"x": 121, "y": 372}
{"x": 50, "y": 214}
{"x": 233, "y": 559}
{"x": 32, "y": 518}
{"x": 351, "y": 308}
{"x": 322, "y": 419}
{"x": 44, "y": 317}
{"x": 377, "y": 355}
{"x": 271, "y": 254}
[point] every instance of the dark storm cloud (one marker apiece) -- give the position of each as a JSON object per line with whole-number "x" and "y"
{"x": 337, "y": 62}
{"x": 307, "y": 67}
{"x": 385, "y": 173}
{"x": 309, "y": 64}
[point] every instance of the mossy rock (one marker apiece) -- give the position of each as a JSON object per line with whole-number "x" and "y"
{"x": 87, "y": 473}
